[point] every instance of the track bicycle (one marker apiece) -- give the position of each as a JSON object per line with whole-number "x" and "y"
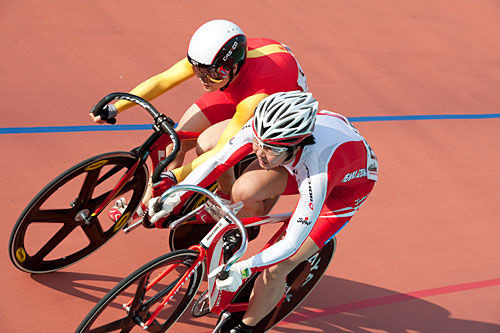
{"x": 67, "y": 213}
{"x": 155, "y": 296}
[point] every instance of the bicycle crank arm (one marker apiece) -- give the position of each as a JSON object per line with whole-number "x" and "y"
{"x": 223, "y": 318}
{"x": 129, "y": 228}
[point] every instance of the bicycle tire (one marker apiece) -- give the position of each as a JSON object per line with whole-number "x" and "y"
{"x": 35, "y": 214}
{"x": 308, "y": 272}
{"x": 139, "y": 310}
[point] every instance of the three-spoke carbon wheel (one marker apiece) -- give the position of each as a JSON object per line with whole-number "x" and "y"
{"x": 57, "y": 227}
{"x": 128, "y": 306}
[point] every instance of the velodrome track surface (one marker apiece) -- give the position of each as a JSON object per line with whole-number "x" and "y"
{"x": 420, "y": 78}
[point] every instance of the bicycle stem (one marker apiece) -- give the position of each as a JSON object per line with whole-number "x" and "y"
{"x": 227, "y": 213}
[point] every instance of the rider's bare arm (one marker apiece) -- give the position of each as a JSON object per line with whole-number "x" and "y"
{"x": 159, "y": 84}
{"x": 244, "y": 111}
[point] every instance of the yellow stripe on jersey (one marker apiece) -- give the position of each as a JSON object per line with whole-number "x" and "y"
{"x": 266, "y": 50}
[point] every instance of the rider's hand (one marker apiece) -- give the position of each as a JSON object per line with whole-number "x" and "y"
{"x": 167, "y": 181}
{"x": 106, "y": 115}
{"x": 167, "y": 207}
{"x": 239, "y": 271}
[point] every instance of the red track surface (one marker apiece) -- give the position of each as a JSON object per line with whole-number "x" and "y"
{"x": 423, "y": 253}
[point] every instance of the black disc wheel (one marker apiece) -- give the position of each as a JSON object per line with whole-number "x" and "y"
{"x": 58, "y": 227}
{"x": 128, "y": 306}
{"x": 299, "y": 283}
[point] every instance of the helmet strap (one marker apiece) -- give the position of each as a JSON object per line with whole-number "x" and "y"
{"x": 291, "y": 154}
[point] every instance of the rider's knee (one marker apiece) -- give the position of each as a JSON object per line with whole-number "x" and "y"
{"x": 241, "y": 191}
{"x": 204, "y": 143}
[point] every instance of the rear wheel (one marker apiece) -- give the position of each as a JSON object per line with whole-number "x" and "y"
{"x": 132, "y": 301}
{"x": 300, "y": 282}
{"x": 56, "y": 229}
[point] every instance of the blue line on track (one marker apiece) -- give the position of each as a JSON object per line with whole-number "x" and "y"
{"x": 426, "y": 117}
{"x": 140, "y": 127}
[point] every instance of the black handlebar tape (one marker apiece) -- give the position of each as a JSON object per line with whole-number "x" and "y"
{"x": 223, "y": 275}
{"x": 100, "y": 105}
{"x": 156, "y": 177}
{"x": 166, "y": 126}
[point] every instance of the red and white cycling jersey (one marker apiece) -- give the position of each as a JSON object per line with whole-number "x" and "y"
{"x": 334, "y": 177}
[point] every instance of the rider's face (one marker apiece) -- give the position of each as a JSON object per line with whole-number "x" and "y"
{"x": 268, "y": 157}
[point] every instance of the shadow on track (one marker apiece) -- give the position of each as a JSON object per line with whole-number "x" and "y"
{"x": 336, "y": 305}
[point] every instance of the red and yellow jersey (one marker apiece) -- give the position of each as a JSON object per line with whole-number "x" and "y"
{"x": 270, "y": 67}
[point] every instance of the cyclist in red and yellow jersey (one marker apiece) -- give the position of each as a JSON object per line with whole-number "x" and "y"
{"x": 236, "y": 73}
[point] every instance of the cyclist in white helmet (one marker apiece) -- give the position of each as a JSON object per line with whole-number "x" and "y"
{"x": 318, "y": 155}
{"x": 236, "y": 74}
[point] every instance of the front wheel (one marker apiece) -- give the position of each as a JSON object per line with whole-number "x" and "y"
{"x": 131, "y": 302}
{"x": 57, "y": 228}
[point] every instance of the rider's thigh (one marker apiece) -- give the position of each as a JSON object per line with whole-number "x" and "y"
{"x": 209, "y": 138}
{"x": 307, "y": 249}
{"x": 193, "y": 120}
{"x": 257, "y": 184}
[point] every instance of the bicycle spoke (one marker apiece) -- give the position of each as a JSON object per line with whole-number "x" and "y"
{"x": 53, "y": 242}
{"x": 109, "y": 174}
{"x": 94, "y": 231}
{"x": 93, "y": 203}
{"x": 53, "y": 215}
{"x": 89, "y": 185}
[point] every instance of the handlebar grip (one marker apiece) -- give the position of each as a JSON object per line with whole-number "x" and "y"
{"x": 223, "y": 275}
{"x": 146, "y": 223}
{"x": 162, "y": 123}
{"x": 104, "y": 101}
{"x": 157, "y": 206}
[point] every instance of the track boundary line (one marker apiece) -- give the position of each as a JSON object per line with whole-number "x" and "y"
{"x": 297, "y": 317}
{"x": 141, "y": 127}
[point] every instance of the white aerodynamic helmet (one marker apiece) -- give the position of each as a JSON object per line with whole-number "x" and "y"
{"x": 285, "y": 118}
{"x": 218, "y": 44}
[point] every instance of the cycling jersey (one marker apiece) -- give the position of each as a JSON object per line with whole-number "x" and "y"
{"x": 334, "y": 177}
{"x": 270, "y": 67}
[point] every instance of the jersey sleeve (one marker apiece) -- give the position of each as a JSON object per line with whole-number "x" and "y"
{"x": 231, "y": 153}
{"x": 159, "y": 84}
{"x": 244, "y": 112}
{"x": 312, "y": 195}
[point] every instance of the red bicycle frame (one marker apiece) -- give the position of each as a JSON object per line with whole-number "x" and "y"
{"x": 210, "y": 248}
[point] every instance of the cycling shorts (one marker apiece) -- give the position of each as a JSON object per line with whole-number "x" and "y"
{"x": 216, "y": 106}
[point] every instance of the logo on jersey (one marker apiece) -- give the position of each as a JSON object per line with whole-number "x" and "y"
{"x": 304, "y": 220}
{"x": 310, "y": 187}
{"x": 353, "y": 175}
